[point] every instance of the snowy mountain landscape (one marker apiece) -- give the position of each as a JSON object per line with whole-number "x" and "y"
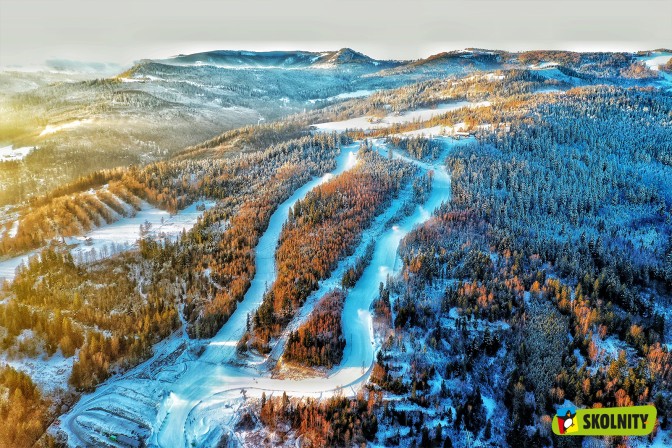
{"x": 307, "y": 249}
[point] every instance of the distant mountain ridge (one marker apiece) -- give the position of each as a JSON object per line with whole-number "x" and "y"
{"x": 279, "y": 59}
{"x": 158, "y": 107}
{"x": 601, "y": 64}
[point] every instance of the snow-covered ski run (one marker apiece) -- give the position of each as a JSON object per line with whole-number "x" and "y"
{"x": 179, "y": 398}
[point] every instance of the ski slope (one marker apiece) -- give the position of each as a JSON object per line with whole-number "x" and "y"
{"x": 222, "y": 347}
{"x": 193, "y": 400}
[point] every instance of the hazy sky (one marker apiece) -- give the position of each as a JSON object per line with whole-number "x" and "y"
{"x": 121, "y": 31}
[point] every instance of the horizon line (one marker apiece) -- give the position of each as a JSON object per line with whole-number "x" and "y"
{"x": 582, "y": 47}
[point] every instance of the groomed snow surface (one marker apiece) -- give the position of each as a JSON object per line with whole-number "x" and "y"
{"x": 194, "y": 398}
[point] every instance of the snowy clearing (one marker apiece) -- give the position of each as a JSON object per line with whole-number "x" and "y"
{"x": 418, "y": 115}
{"x": 344, "y": 96}
{"x": 11, "y": 154}
{"x": 543, "y": 65}
{"x": 49, "y": 373}
{"x": 656, "y": 59}
{"x": 121, "y": 235}
{"x": 8, "y": 267}
{"x": 50, "y": 129}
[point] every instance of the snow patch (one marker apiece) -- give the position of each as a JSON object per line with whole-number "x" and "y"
{"x": 51, "y": 129}
{"x": 418, "y": 115}
{"x": 656, "y": 59}
{"x": 49, "y": 373}
{"x": 149, "y": 222}
{"x": 344, "y": 96}
{"x": 10, "y": 154}
{"x": 121, "y": 235}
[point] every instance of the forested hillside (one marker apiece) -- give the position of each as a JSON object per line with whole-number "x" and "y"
{"x": 319, "y": 341}
{"x": 107, "y": 315}
{"x": 321, "y": 229}
{"x": 558, "y": 237}
{"x": 324, "y": 249}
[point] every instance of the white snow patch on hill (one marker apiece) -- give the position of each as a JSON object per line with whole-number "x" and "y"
{"x": 11, "y": 154}
{"x": 8, "y": 267}
{"x": 14, "y": 229}
{"x": 418, "y": 115}
{"x": 121, "y": 235}
{"x": 49, "y": 373}
{"x": 656, "y": 59}
{"x": 427, "y": 132}
{"x": 344, "y": 96}
{"x": 542, "y": 65}
{"x": 50, "y": 129}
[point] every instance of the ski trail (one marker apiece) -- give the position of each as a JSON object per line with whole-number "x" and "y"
{"x": 197, "y": 397}
{"x": 334, "y": 281}
{"x": 228, "y": 383}
{"x": 222, "y": 347}
{"x": 198, "y": 382}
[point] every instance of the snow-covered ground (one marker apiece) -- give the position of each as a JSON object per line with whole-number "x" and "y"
{"x": 195, "y": 398}
{"x": 438, "y": 131}
{"x": 121, "y": 235}
{"x": 545, "y": 64}
{"x": 656, "y": 59}
{"x": 11, "y": 154}
{"x": 14, "y": 229}
{"x": 344, "y": 96}
{"x": 418, "y": 115}
{"x": 427, "y": 132}
{"x": 8, "y": 267}
{"x": 50, "y": 129}
{"x": 49, "y": 373}
{"x": 551, "y": 71}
